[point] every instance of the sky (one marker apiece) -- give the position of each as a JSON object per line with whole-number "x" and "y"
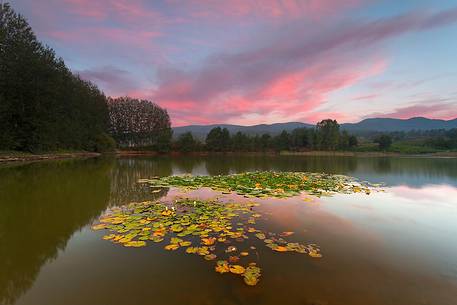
{"x": 261, "y": 61}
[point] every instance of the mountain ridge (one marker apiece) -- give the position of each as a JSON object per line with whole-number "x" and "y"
{"x": 365, "y": 125}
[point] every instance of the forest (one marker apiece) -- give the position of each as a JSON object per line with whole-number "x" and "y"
{"x": 326, "y": 136}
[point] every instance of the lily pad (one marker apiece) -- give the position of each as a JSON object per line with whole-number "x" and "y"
{"x": 215, "y": 224}
{"x": 237, "y": 269}
{"x": 222, "y": 267}
{"x": 273, "y": 184}
{"x": 251, "y": 275}
{"x": 171, "y": 247}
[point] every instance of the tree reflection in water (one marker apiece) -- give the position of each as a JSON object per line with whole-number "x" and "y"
{"x": 43, "y": 204}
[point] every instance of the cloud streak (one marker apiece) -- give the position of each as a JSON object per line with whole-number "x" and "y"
{"x": 286, "y": 76}
{"x": 441, "y": 109}
{"x": 115, "y": 80}
{"x": 240, "y": 61}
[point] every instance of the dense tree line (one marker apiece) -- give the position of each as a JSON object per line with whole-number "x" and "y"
{"x": 139, "y": 123}
{"x": 439, "y": 139}
{"x": 443, "y": 139}
{"x": 43, "y": 106}
{"x": 326, "y": 136}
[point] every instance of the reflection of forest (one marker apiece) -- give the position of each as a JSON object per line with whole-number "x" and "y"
{"x": 395, "y": 170}
{"x": 126, "y": 173}
{"x": 41, "y": 206}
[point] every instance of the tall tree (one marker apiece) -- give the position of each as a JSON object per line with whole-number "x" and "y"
{"x": 240, "y": 142}
{"x": 218, "y": 139}
{"x": 282, "y": 141}
{"x": 139, "y": 123}
{"x": 328, "y": 132}
{"x": 186, "y": 142}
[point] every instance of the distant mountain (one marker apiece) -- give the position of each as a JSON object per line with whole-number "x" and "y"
{"x": 200, "y": 131}
{"x": 367, "y": 125}
{"x": 387, "y": 124}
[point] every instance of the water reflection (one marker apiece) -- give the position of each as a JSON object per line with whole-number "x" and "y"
{"x": 43, "y": 205}
{"x": 411, "y": 171}
{"x": 125, "y": 174}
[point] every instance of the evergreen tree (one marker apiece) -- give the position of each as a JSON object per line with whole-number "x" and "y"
{"x": 43, "y": 106}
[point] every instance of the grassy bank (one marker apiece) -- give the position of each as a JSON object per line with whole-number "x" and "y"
{"x": 16, "y": 156}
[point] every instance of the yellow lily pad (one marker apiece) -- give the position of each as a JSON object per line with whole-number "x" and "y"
{"x": 135, "y": 244}
{"x": 171, "y": 247}
{"x": 222, "y": 267}
{"x": 237, "y": 269}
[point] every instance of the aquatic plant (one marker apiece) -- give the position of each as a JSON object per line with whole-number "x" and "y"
{"x": 266, "y": 184}
{"x": 207, "y": 228}
{"x": 215, "y": 229}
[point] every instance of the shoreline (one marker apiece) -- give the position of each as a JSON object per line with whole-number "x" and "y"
{"x": 369, "y": 154}
{"x": 133, "y": 153}
{"x": 19, "y": 157}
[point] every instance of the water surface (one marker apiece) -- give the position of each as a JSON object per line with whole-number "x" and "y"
{"x": 392, "y": 247}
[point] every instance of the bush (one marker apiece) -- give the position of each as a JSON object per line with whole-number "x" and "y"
{"x": 104, "y": 143}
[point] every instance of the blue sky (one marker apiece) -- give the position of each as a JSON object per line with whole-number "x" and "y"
{"x": 251, "y": 61}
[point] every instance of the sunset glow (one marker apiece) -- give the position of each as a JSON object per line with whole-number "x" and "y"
{"x": 250, "y": 62}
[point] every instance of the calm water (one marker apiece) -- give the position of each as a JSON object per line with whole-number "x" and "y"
{"x": 392, "y": 247}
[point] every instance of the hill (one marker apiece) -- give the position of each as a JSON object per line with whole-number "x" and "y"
{"x": 200, "y": 131}
{"x": 388, "y": 124}
{"x": 367, "y": 125}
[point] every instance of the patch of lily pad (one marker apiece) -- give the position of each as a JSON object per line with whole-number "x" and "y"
{"x": 266, "y": 184}
{"x": 208, "y": 228}
{"x": 219, "y": 231}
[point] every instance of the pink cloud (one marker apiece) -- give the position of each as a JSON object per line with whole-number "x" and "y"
{"x": 274, "y": 77}
{"x": 288, "y": 96}
{"x": 365, "y": 97}
{"x": 265, "y": 8}
{"x": 425, "y": 108}
{"x": 113, "y": 79}
{"x": 120, "y": 10}
{"x": 287, "y": 76}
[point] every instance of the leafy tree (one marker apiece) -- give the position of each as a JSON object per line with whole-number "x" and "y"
{"x": 218, "y": 139}
{"x": 282, "y": 141}
{"x": 162, "y": 143}
{"x": 225, "y": 139}
{"x": 327, "y": 132}
{"x": 43, "y": 106}
{"x": 265, "y": 141}
{"x": 343, "y": 140}
{"x": 186, "y": 142}
{"x": 139, "y": 123}
{"x": 240, "y": 142}
{"x": 384, "y": 141}
{"x": 213, "y": 139}
{"x": 353, "y": 141}
{"x": 302, "y": 138}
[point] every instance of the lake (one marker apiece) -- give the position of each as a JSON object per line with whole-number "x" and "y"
{"x": 396, "y": 246}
